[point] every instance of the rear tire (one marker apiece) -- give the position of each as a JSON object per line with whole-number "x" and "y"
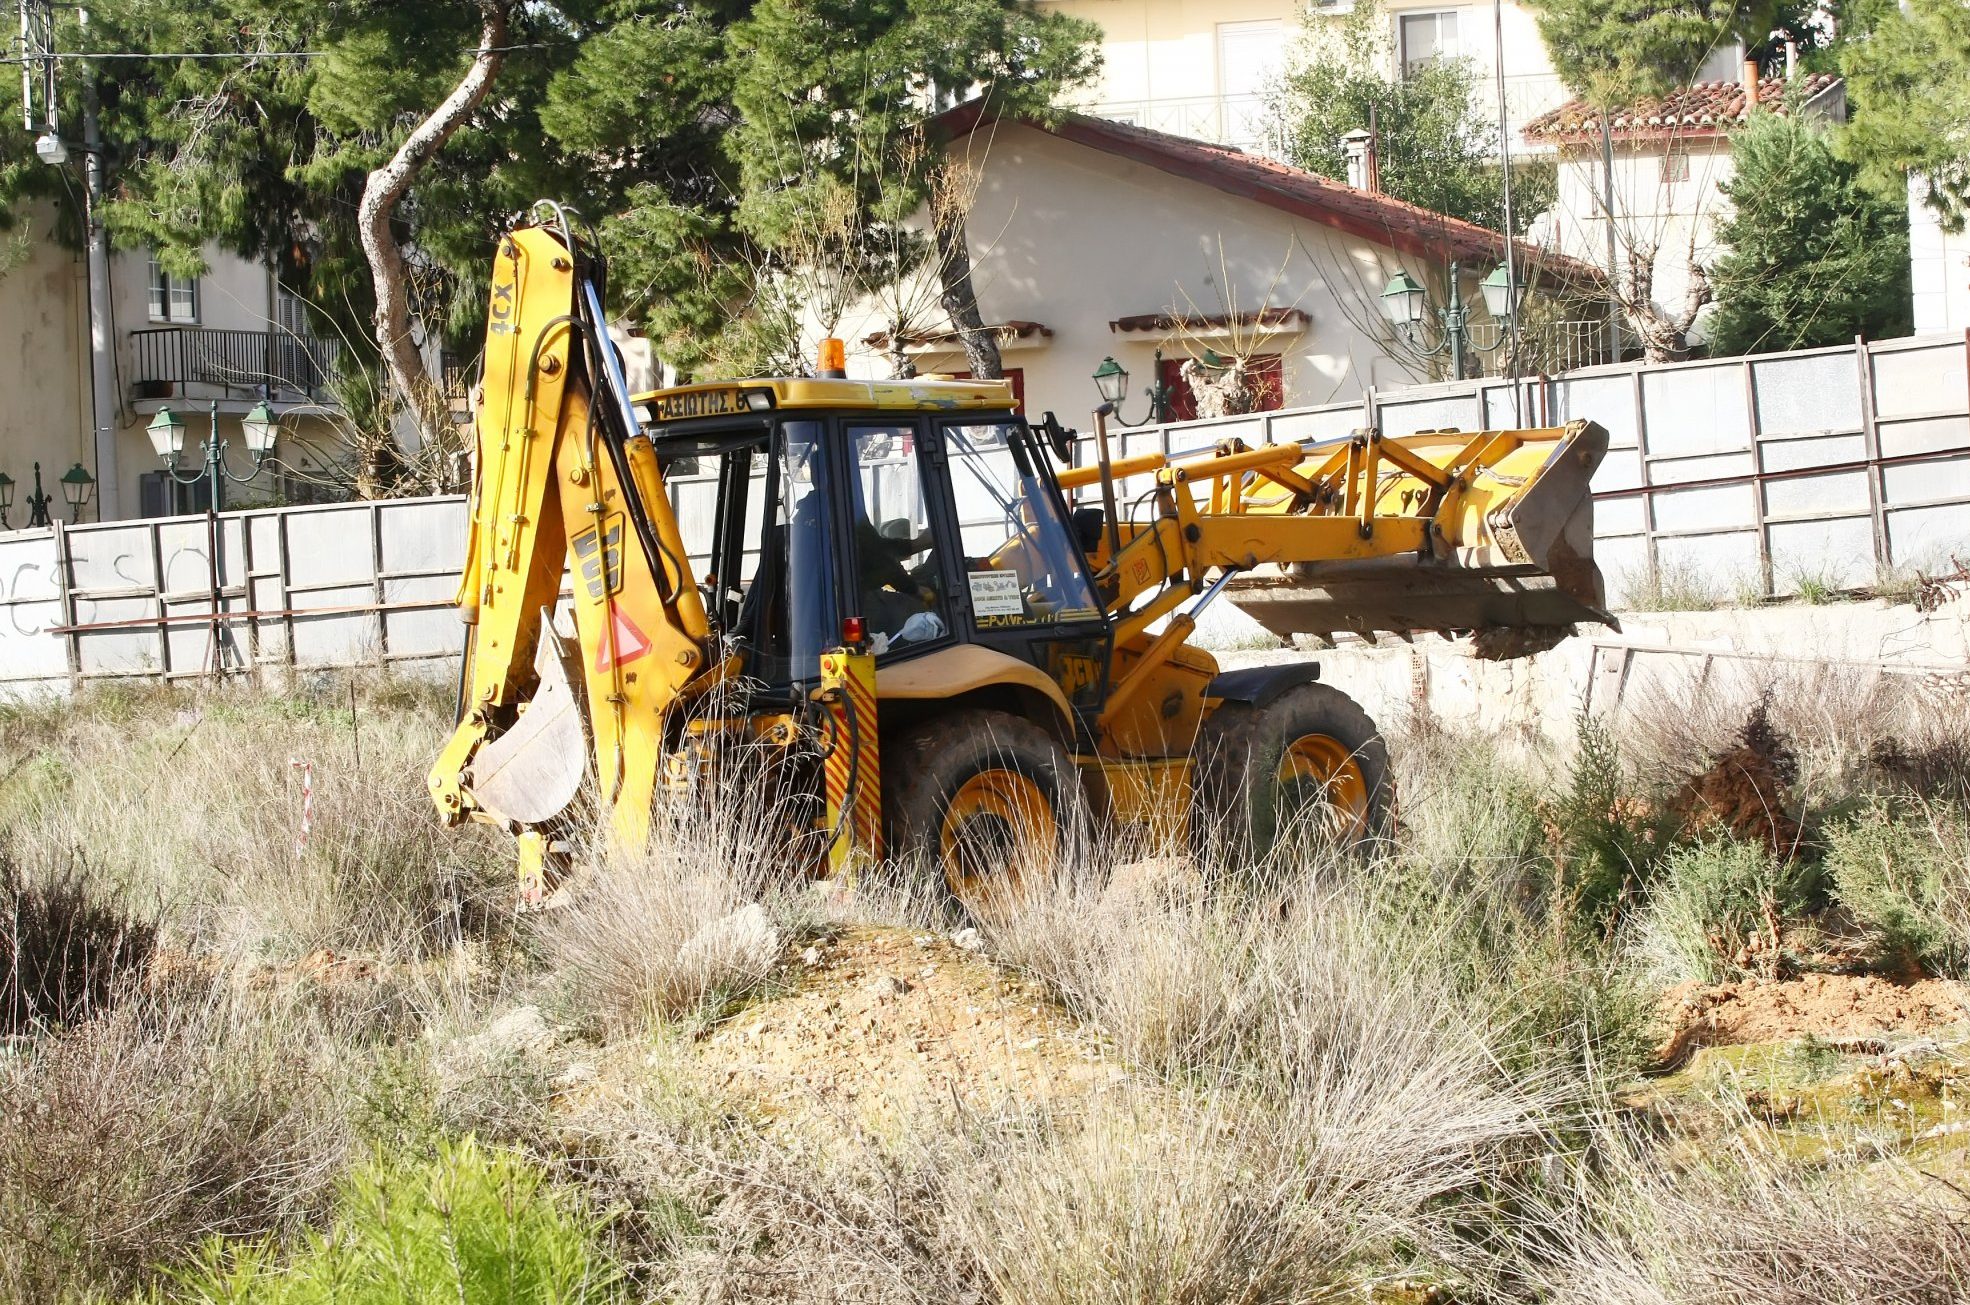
{"x": 1307, "y": 768}
{"x": 991, "y": 800}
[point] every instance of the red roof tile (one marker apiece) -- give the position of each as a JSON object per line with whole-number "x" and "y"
{"x": 1013, "y": 330}
{"x": 1372, "y": 216}
{"x": 1166, "y": 322}
{"x": 1704, "y": 109}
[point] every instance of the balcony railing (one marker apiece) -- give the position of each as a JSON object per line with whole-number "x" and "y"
{"x": 272, "y": 363}
{"x": 1240, "y": 120}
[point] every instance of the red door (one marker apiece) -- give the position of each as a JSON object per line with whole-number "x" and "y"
{"x": 1016, "y": 375}
{"x": 1263, "y": 371}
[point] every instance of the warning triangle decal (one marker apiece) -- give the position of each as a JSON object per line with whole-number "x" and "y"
{"x": 622, "y": 644}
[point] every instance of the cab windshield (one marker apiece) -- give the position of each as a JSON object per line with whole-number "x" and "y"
{"x": 1021, "y": 564}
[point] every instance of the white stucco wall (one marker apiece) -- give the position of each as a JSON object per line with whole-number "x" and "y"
{"x": 1074, "y": 238}
{"x": 1162, "y": 66}
{"x": 44, "y": 380}
{"x": 1678, "y": 218}
{"x": 1939, "y": 267}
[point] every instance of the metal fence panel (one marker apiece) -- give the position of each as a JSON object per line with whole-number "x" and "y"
{"x": 30, "y": 604}
{"x": 1696, "y": 410}
{"x": 1750, "y": 475}
{"x": 1810, "y": 394}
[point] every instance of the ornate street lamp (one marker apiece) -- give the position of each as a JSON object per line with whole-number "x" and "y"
{"x": 167, "y": 437}
{"x": 37, "y": 503}
{"x": 1111, "y": 381}
{"x": 1406, "y": 304}
{"x": 77, "y": 488}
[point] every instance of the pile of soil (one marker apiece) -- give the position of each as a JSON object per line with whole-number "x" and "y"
{"x": 1827, "y": 1006}
{"x": 878, "y": 1019}
{"x": 1746, "y": 790}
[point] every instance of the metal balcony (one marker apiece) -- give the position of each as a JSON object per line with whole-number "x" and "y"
{"x": 274, "y": 364}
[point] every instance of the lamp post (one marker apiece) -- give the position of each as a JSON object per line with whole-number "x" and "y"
{"x": 1406, "y": 304}
{"x": 1111, "y": 381}
{"x": 77, "y": 487}
{"x": 37, "y": 503}
{"x": 167, "y": 436}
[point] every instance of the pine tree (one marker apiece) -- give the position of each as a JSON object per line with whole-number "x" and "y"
{"x": 1815, "y": 257}
{"x": 1613, "y": 52}
{"x": 1908, "y": 74}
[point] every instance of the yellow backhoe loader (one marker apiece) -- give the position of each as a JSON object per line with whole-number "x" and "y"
{"x": 883, "y": 595}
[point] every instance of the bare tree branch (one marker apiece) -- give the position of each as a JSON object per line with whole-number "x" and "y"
{"x": 385, "y": 189}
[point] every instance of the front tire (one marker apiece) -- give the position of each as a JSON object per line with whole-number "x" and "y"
{"x": 1309, "y": 767}
{"x": 990, "y": 799}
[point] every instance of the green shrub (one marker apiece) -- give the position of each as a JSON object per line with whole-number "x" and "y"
{"x": 1607, "y": 842}
{"x": 1906, "y": 881}
{"x": 1718, "y": 910}
{"x": 470, "y": 1225}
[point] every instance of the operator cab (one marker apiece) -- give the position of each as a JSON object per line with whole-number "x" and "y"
{"x": 928, "y": 509}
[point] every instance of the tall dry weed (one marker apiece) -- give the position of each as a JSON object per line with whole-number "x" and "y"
{"x": 191, "y": 804}
{"x": 167, "y": 1120}
{"x": 661, "y": 932}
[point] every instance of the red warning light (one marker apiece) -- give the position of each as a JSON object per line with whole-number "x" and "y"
{"x": 852, "y": 630}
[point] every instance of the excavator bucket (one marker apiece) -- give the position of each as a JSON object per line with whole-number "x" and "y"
{"x": 531, "y": 773}
{"x": 1508, "y": 555}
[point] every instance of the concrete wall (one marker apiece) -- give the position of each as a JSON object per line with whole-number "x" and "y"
{"x": 1828, "y": 660}
{"x": 1075, "y": 238}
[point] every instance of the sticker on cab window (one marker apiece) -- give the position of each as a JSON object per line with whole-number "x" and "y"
{"x": 995, "y": 593}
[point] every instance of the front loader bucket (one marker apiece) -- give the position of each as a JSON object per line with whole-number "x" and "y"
{"x": 1509, "y": 557}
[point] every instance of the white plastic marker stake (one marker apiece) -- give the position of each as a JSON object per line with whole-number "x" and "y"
{"x": 307, "y": 769}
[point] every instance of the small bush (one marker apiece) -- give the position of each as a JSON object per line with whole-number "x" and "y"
{"x": 157, "y": 1124}
{"x": 1606, "y": 842}
{"x": 470, "y": 1225}
{"x": 65, "y": 950}
{"x": 1719, "y": 911}
{"x": 671, "y": 931}
{"x": 1906, "y": 880}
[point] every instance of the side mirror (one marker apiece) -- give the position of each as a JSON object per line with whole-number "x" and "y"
{"x": 1059, "y": 438}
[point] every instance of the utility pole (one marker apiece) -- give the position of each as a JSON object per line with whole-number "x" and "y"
{"x": 1613, "y": 267}
{"x": 1505, "y": 177}
{"x": 102, "y": 357}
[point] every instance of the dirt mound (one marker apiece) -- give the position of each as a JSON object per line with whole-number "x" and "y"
{"x": 1746, "y": 790}
{"x": 1830, "y": 1006}
{"x": 878, "y": 1018}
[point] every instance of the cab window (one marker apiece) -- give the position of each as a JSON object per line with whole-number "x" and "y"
{"x": 897, "y": 584}
{"x": 1021, "y": 565}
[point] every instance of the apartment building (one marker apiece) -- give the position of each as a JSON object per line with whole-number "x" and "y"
{"x": 210, "y": 348}
{"x": 1201, "y": 68}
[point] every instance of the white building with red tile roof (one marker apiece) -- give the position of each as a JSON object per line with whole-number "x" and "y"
{"x": 1651, "y": 185}
{"x": 1093, "y": 239}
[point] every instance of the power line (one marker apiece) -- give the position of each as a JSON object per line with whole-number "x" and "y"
{"x": 236, "y": 54}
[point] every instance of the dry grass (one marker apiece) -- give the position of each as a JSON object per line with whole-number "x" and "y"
{"x": 177, "y": 1116}
{"x": 1342, "y": 1071}
{"x": 1739, "y": 1228}
{"x": 189, "y": 805}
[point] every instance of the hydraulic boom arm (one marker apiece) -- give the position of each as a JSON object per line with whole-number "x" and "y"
{"x": 563, "y": 482}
